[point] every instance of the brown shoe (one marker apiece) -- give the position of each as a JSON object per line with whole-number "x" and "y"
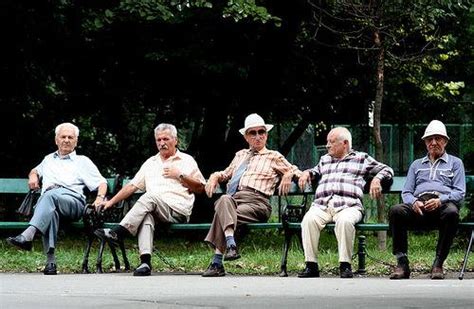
{"x": 401, "y": 272}
{"x": 232, "y": 254}
{"x": 437, "y": 273}
{"x": 214, "y": 270}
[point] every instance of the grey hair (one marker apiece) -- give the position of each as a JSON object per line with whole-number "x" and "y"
{"x": 344, "y": 135}
{"x": 66, "y": 124}
{"x": 167, "y": 126}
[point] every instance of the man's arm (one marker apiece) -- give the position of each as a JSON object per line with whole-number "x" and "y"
{"x": 124, "y": 193}
{"x": 33, "y": 180}
{"x": 192, "y": 183}
{"x": 101, "y": 191}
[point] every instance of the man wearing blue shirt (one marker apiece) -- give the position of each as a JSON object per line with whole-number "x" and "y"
{"x": 434, "y": 189}
{"x": 64, "y": 174}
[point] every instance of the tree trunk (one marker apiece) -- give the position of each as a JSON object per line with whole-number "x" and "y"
{"x": 382, "y": 235}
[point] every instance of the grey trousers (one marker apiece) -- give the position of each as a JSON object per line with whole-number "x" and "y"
{"x": 242, "y": 207}
{"x": 51, "y": 206}
{"x": 141, "y": 219}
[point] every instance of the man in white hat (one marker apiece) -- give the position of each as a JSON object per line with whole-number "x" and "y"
{"x": 434, "y": 189}
{"x": 252, "y": 177}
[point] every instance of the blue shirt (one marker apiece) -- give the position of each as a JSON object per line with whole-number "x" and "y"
{"x": 72, "y": 171}
{"x": 445, "y": 176}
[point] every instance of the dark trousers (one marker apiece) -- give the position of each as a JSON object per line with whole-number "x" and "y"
{"x": 403, "y": 218}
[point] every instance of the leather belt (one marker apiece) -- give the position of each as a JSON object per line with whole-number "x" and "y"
{"x": 248, "y": 189}
{"x": 55, "y": 186}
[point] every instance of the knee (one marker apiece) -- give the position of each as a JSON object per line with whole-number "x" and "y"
{"x": 396, "y": 211}
{"x": 224, "y": 201}
{"x": 450, "y": 213}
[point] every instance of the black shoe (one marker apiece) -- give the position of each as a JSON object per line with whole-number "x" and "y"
{"x": 142, "y": 270}
{"x": 400, "y": 272}
{"x": 310, "y": 271}
{"x": 50, "y": 269}
{"x": 214, "y": 270}
{"x": 232, "y": 253}
{"x": 108, "y": 235}
{"x": 20, "y": 242}
{"x": 345, "y": 270}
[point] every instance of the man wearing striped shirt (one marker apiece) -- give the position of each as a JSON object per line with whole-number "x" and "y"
{"x": 252, "y": 177}
{"x": 338, "y": 198}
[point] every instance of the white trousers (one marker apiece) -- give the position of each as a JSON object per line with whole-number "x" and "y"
{"x": 316, "y": 219}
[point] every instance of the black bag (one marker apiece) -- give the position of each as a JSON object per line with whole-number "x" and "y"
{"x": 26, "y": 207}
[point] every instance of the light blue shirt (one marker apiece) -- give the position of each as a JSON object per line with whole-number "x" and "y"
{"x": 72, "y": 171}
{"x": 445, "y": 176}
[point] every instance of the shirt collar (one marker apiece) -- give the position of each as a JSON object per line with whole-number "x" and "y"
{"x": 444, "y": 157}
{"x": 177, "y": 156}
{"x": 71, "y": 156}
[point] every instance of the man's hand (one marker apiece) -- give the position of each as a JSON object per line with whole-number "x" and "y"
{"x": 211, "y": 184}
{"x": 375, "y": 190}
{"x": 103, "y": 205}
{"x": 304, "y": 178}
{"x": 33, "y": 181}
{"x": 285, "y": 183}
{"x": 432, "y": 204}
{"x": 418, "y": 207}
{"x": 171, "y": 172}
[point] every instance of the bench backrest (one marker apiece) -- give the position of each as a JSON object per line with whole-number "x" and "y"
{"x": 20, "y": 185}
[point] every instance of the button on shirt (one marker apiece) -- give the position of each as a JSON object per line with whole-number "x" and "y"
{"x": 150, "y": 178}
{"x": 263, "y": 171}
{"x": 342, "y": 180}
{"x": 71, "y": 171}
{"x": 446, "y": 176}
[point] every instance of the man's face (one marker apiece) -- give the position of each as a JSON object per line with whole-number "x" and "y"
{"x": 435, "y": 144}
{"x": 66, "y": 140}
{"x": 256, "y": 137}
{"x": 166, "y": 143}
{"x": 336, "y": 147}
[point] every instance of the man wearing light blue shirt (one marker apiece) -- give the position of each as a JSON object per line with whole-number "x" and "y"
{"x": 434, "y": 189}
{"x": 64, "y": 174}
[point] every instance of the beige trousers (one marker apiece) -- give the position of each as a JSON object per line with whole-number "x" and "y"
{"x": 141, "y": 218}
{"x": 242, "y": 207}
{"x": 316, "y": 219}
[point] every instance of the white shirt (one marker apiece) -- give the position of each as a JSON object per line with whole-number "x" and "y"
{"x": 150, "y": 178}
{"x": 72, "y": 171}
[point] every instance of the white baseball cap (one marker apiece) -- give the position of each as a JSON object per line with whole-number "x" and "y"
{"x": 435, "y": 127}
{"x": 252, "y": 121}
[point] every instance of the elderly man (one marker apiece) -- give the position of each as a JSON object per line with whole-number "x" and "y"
{"x": 252, "y": 177}
{"x": 64, "y": 175}
{"x": 169, "y": 180}
{"x": 338, "y": 198}
{"x": 434, "y": 189}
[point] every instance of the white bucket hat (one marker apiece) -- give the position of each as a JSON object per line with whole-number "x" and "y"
{"x": 435, "y": 127}
{"x": 252, "y": 121}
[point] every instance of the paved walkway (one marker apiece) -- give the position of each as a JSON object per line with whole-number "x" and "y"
{"x": 193, "y": 291}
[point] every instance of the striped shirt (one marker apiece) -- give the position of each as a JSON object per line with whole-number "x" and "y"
{"x": 445, "y": 176}
{"x": 342, "y": 180}
{"x": 263, "y": 172}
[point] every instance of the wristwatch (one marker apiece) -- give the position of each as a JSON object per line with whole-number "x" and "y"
{"x": 101, "y": 196}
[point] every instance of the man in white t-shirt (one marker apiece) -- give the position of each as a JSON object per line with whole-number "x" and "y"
{"x": 169, "y": 180}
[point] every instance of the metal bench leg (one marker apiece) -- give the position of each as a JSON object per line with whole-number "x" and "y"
{"x": 361, "y": 254}
{"x": 461, "y": 274}
{"x": 284, "y": 256}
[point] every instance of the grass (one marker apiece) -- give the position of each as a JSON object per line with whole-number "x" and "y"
{"x": 260, "y": 250}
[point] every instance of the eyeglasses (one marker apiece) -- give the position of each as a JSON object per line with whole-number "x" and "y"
{"x": 254, "y": 133}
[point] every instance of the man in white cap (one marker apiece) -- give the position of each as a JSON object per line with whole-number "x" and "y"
{"x": 434, "y": 189}
{"x": 252, "y": 177}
